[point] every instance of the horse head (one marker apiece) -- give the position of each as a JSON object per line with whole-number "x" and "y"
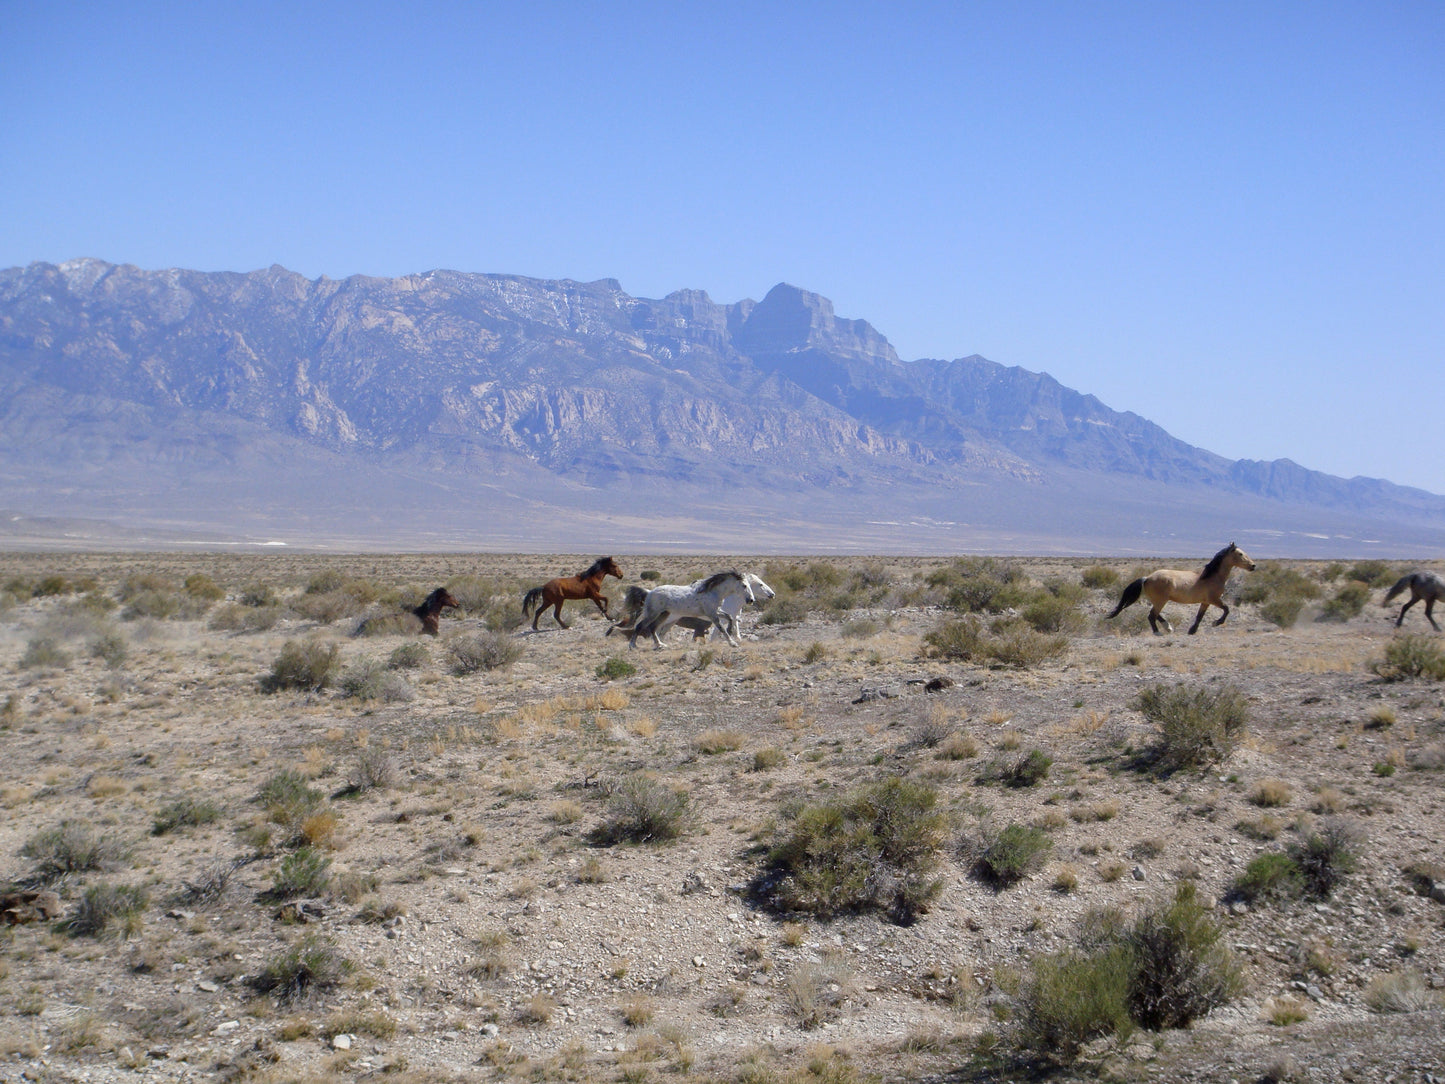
{"x": 761, "y": 592}
{"x": 437, "y": 601}
{"x": 607, "y": 566}
{"x": 1239, "y": 558}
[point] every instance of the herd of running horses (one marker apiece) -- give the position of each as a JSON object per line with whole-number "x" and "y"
{"x": 715, "y": 601}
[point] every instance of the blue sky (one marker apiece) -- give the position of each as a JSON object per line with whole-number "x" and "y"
{"x": 1229, "y": 218}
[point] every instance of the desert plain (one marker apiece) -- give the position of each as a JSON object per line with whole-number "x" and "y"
{"x": 282, "y": 850}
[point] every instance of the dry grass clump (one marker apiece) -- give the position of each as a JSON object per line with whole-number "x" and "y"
{"x": 185, "y": 813}
{"x": 1271, "y": 793}
{"x": 44, "y": 653}
{"x": 713, "y": 742}
{"x": 308, "y": 665}
{"x": 104, "y": 905}
{"x": 311, "y": 965}
{"x": 814, "y": 992}
{"x": 1401, "y": 991}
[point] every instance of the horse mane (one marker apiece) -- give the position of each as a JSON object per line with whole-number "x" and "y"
{"x": 596, "y": 567}
{"x": 717, "y": 579}
{"x": 1215, "y": 562}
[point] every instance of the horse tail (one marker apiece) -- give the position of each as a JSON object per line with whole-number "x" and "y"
{"x": 1400, "y": 585}
{"x": 1131, "y": 596}
{"x": 530, "y": 599}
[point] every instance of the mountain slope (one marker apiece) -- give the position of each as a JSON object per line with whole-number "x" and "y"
{"x": 136, "y": 392}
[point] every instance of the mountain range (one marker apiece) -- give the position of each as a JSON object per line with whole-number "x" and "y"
{"x": 470, "y": 411}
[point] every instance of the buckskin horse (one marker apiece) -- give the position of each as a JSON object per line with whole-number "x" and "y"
{"x": 1422, "y": 584}
{"x": 1172, "y": 585}
{"x": 586, "y": 584}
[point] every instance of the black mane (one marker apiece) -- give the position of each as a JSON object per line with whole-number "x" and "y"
{"x": 597, "y": 568}
{"x": 1215, "y": 562}
{"x": 717, "y": 578}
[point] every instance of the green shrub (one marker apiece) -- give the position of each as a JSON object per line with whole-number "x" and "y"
{"x": 185, "y": 813}
{"x": 1275, "y": 581}
{"x": 1165, "y": 971}
{"x": 1345, "y": 603}
{"x": 1008, "y": 644}
{"x": 1325, "y": 856}
{"x": 325, "y": 582}
{"x": 1096, "y": 577}
{"x": 49, "y": 586}
{"x": 71, "y": 847}
{"x": 785, "y": 609}
{"x": 104, "y": 904}
{"x": 484, "y": 651}
{"x": 873, "y": 848}
{"x": 1073, "y": 998}
{"x": 643, "y": 810}
{"x": 1270, "y": 876}
{"x": 1198, "y": 726}
{"x": 765, "y": 760}
{"x": 1010, "y": 855}
{"x": 303, "y": 872}
{"x": 303, "y": 664}
{"x": 981, "y": 585}
{"x": 1055, "y": 609}
{"x": 374, "y": 769}
{"x": 649, "y": 574}
{"x": 258, "y": 594}
{"x": 324, "y": 608}
{"x": 111, "y": 648}
{"x": 288, "y": 799}
{"x": 312, "y": 964}
{"x": 1027, "y": 771}
{"x": 1411, "y": 656}
{"x": 615, "y": 667}
{"x": 1282, "y": 610}
{"x": 235, "y": 617}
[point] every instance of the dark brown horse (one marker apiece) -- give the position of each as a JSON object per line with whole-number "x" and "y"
{"x": 430, "y": 611}
{"x": 586, "y": 584}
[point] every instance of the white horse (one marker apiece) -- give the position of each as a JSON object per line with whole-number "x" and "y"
{"x": 668, "y": 604}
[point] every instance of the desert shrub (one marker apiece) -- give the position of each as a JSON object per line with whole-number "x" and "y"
{"x": 201, "y": 586}
{"x": 311, "y": 964}
{"x": 1197, "y": 726}
{"x": 765, "y": 760}
{"x": 643, "y": 810}
{"x": 303, "y": 872}
{"x": 111, "y": 648}
{"x": 873, "y": 848}
{"x": 1411, "y": 656}
{"x": 258, "y": 594}
{"x": 1325, "y": 856}
{"x": 373, "y": 769}
{"x": 409, "y": 656}
{"x": 981, "y": 585}
{"x": 1072, "y": 998}
{"x": 1270, "y": 876}
{"x": 483, "y": 651}
{"x": 1372, "y": 573}
{"x": 42, "y": 653}
{"x": 614, "y": 667}
{"x": 288, "y": 799}
{"x": 713, "y": 742}
{"x": 1027, "y": 771}
{"x": 1096, "y": 577}
{"x": 1271, "y": 793}
{"x": 1008, "y": 856}
{"x": 1182, "y": 969}
{"x": 1345, "y": 603}
{"x": 1400, "y": 991}
{"x": 1277, "y": 581}
{"x": 104, "y": 904}
{"x": 785, "y": 609}
{"x": 1282, "y": 611}
{"x": 235, "y": 617}
{"x": 649, "y": 574}
{"x": 1167, "y": 969}
{"x": 860, "y": 628}
{"x": 1055, "y": 609}
{"x": 71, "y": 847}
{"x": 185, "y": 813}
{"x": 51, "y": 585}
{"x": 1007, "y": 644}
{"x": 328, "y": 606}
{"x": 325, "y": 582}
{"x": 374, "y": 680}
{"x": 302, "y": 664}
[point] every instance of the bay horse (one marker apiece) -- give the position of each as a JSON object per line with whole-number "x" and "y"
{"x": 587, "y": 584}
{"x": 430, "y": 611}
{"x": 665, "y": 606}
{"x": 1422, "y": 584}
{"x": 1171, "y": 585}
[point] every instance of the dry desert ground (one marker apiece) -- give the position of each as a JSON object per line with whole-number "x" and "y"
{"x": 243, "y": 843}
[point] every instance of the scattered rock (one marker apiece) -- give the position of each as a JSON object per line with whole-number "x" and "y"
{"x": 19, "y": 908}
{"x": 341, "y": 1042}
{"x": 938, "y": 684}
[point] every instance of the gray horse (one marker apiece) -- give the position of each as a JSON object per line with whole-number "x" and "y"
{"x": 1423, "y": 584}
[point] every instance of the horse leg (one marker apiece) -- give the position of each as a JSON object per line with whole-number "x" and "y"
{"x": 601, "y": 601}
{"x": 1430, "y": 613}
{"x": 717, "y": 621}
{"x": 1157, "y": 618}
{"x": 1198, "y": 618}
{"x": 1405, "y": 607}
{"x": 1225, "y": 607}
{"x": 557, "y": 613}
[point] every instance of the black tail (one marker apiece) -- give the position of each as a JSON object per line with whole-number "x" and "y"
{"x": 1131, "y": 596}
{"x": 1400, "y": 585}
{"x": 530, "y": 599}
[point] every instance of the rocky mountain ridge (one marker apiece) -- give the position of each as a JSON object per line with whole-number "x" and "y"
{"x": 468, "y": 378}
